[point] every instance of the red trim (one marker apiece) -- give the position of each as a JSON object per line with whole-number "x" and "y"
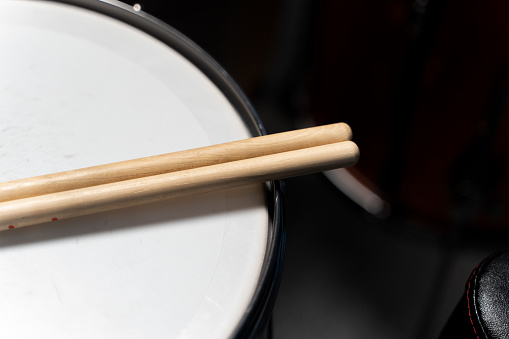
{"x": 468, "y": 301}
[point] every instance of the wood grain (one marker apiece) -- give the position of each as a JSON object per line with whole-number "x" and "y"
{"x": 126, "y": 193}
{"x": 178, "y": 161}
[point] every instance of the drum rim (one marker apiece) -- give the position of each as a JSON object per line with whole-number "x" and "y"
{"x": 257, "y": 316}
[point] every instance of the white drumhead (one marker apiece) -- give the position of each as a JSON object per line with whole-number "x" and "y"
{"x": 78, "y": 89}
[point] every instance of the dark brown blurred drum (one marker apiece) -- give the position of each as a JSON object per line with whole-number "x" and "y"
{"x": 423, "y": 85}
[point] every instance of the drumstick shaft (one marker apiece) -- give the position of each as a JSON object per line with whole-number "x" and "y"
{"x": 83, "y": 201}
{"x": 178, "y": 161}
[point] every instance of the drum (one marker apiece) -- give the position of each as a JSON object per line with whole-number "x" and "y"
{"x": 85, "y": 83}
{"x": 431, "y": 123}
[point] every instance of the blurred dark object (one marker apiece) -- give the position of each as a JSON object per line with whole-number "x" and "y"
{"x": 423, "y": 85}
{"x": 483, "y": 311}
{"x": 238, "y": 34}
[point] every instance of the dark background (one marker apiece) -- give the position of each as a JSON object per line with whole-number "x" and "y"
{"x": 423, "y": 84}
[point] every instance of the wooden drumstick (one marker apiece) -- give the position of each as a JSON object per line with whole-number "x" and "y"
{"x": 100, "y": 198}
{"x": 178, "y": 161}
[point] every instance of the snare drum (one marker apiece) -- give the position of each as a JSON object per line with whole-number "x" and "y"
{"x": 85, "y": 83}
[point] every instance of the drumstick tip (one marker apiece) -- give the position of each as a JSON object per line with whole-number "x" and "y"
{"x": 353, "y": 152}
{"x": 347, "y": 131}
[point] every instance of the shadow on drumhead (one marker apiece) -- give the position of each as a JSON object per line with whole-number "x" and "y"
{"x": 183, "y": 213}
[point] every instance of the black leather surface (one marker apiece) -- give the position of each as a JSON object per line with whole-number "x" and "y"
{"x": 483, "y": 312}
{"x": 492, "y": 295}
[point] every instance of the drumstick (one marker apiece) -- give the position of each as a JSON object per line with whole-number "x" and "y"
{"x": 166, "y": 163}
{"x": 100, "y": 198}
